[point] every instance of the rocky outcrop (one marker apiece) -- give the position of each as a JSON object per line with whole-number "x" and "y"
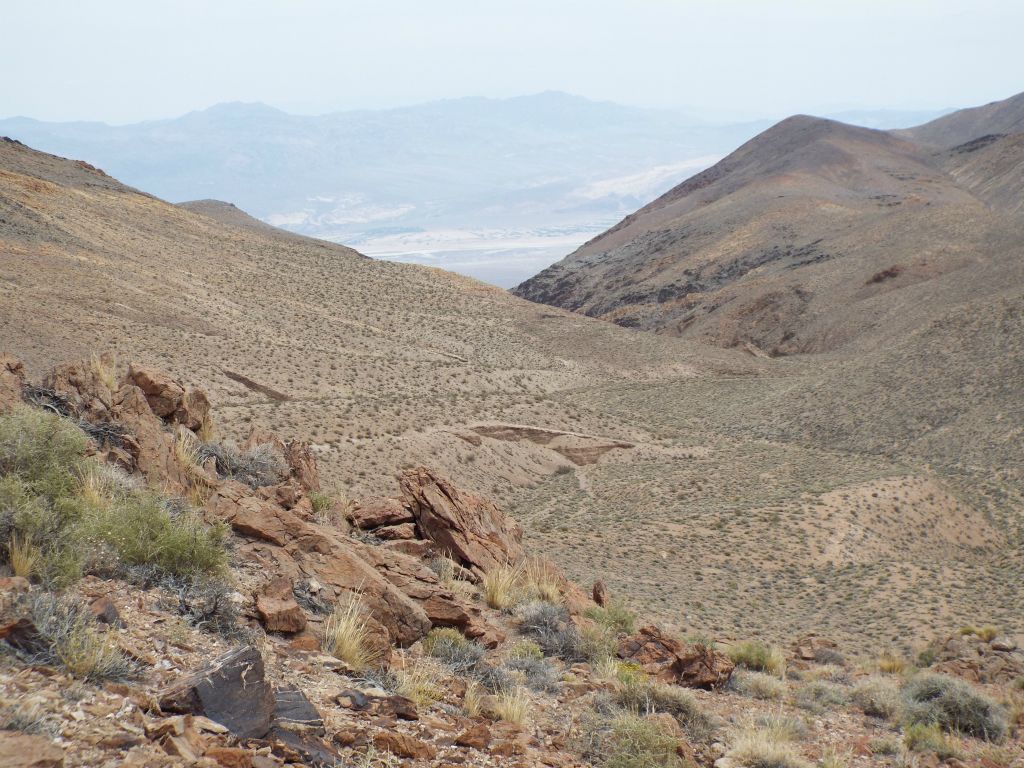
{"x": 465, "y": 526}
{"x": 667, "y": 659}
{"x": 996, "y": 661}
{"x": 277, "y": 608}
{"x": 375, "y": 511}
{"x": 12, "y": 381}
{"x": 170, "y": 400}
{"x": 577, "y": 448}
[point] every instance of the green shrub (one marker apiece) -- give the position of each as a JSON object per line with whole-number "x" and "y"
{"x": 952, "y": 705}
{"x": 79, "y": 515}
{"x": 614, "y": 616}
{"x": 759, "y": 657}
{"x": 922, "y": 737}
{"x": 525, "y": 649}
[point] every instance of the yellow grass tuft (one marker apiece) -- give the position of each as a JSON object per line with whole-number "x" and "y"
{"x": 472, "y": 701}
{"x": 346, "y": 635}
{"x": 512, "y": 705}
{"x": 23, "y": 555}
{"x": 420, "y": 680}
{"x": 502, "y": 587}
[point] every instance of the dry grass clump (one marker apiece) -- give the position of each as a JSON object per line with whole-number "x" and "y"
{"x": 347, "y": 635}
{"x": 503, "y": 587}
{"x": 524, "y": 649}
{"x": 952, "y": 705}
{"x": 637, "y": 694}
{"x": 104, "y": 368}
{"x": 472, "y": 699}
{"x": 69, "y": 637}
{"x": 876, "y": 697}
{"x": 259, "y": 466}
{"x": 759, "y": 657}
{"x": 819, "y": 695}
{"x": 988, "y": 633}
{"x": 769, "y": 745}
{"x": 542, "y": 580}
{"x": 629, "y": 740}
{"x": 420, "y": 680}
{"x": 511, "y": 705}
{"x": 22, "y": 555}
{"x": 757, "y": 685}
{"x": 891, "y": 663}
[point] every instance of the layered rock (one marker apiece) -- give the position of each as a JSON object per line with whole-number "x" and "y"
{"x": 669, "y": 660}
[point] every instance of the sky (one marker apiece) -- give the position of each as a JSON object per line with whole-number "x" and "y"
{"x": 124, "y": 60}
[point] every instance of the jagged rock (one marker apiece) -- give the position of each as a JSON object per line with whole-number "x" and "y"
{"x": 443, "y": 607}
{"x": 979, "y": 661}
{"x": 466, "y": 526}
{"x": 668, "y": 660}
{"x": 302, "y": 464}
{"x": 375, "y": 511}
{"x": 231, "y": 690}
{"x": 83, "y": 388}
{"x": 12, "y": 381}
{"x": 151, "y": 447}
{"x": 278, "y": 610}
{"x": 230, "y": 757}
{"x": 25, "y": 750}
{"x": 304, "y": 748}
{"x": 169, "y": 399}
{"x": 814, "y": 648}
{"x": 477, "y": 736}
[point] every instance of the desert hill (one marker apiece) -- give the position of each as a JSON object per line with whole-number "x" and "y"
{"x": 725, "y": 492}
{"x": 964, "y": 125}
{"x": 812, "y": 236}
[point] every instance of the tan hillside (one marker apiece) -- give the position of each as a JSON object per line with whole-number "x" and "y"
{"x": 964, "y": 125}
{"x": 720, "y": 490}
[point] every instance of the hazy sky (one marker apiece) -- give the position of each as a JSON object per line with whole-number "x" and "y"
{"x": 127, "y": 60}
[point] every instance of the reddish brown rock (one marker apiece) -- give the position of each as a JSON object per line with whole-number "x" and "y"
{"x": 375, "y": 511}
{"x": 275, "y": 603}
{"x": 599, "y": 593}
{"x": 25, "y": 750}
{"x": 169, "y": 399}
{"x": 149, "y": 443}
{"x": 105, "y": 611}
{"x": 666, "y": 659}
{"x": 83, "y": 388}
{"x": 403, "y": 745}
{"x": 302, "y": 464}
{"x": 12, "y": 381}
{"x": 393, "y": 532}
{"x": 466, "y": 526}
{"x": 477, "y": 736}
{"x": 230, "y": 757}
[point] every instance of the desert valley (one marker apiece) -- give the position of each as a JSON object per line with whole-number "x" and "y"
{"x": 761, "y": 439}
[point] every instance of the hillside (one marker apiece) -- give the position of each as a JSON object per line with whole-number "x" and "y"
{"x": 964, "y": 125}
{"x": 744, "y": 493}
{"x": 811, "y": 237}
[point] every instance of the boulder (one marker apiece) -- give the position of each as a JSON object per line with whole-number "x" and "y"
{"x": 464, "y": 525}
{"x": 403, "y": 745}
{"x": 278, "y": 610}
{"x": 169, "y": 399}
{"x": 85, "y": 391}
{"x": 230, "y": 690}
{"x": 149, "y": 444}
{"x": 668, "y": 660}
{"x": 302, "y": 464}
{"x": 599, "y": 593}
{"x": 12, "y": 381}
{"x": 375, "y": 511}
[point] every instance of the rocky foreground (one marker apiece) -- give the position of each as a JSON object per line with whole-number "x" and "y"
{"x": 412, "y": 629}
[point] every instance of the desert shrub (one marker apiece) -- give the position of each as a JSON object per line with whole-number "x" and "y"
{"x": 259, "y": 466}
{"x": 829, "y": 656}
{"x": 922, "y": 737}
{"x": 614, "y": 670}
{"x": 595, "y": 642}
{"x": 884, "y": 745}
{"x": 629, "y": 740}
{"x": 472, "y": 700}
{"x": 27, "y": 719}
{"x": 347, "y": 636}
{"x": 494, "y": 678}
{"x": 451, "y": 648}
{"x": 988, "y": 633}
{"x": 927, "y": 656}
{"x": 552, "y": 629}
{"x": 614, "y": 616}
{"x": 757, "y": 685}
{"x": 952, "y": 705}
{"x": 876, "y": 697}
{"x": 69, "y": 637}
{"x": 819, "y": 695}
{"x": 206, "y": 604}
{"x": 758, "y": 657}
{"x": 766, "y": 746}
{"x": 538, "y": 674}
{"x": 650, "y": 696}
{"x": 511, "y": 705}
{"x": 834, "y": 757}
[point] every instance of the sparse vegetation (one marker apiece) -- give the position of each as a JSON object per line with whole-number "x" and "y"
{"x": 759, "y": 657}
{"x": 502, "y": 587}
{"x": 766, "y": 746}
{"x": 757, "y": 685}
{"x": 449, "y": 646}
{"x": 420, "y": 681}
{"x": 953, "y": 705}
{"x": 256, "y": 467}
{"x": 511, "y": 705}
{"x": 891, "y": 663}
{"x": 637, "y": 694}
{"x": 924, "y": 737}
{"x": 629, "y": 740}
{"x": 614, "y": 617}
{"x": 819, "y": 695}
{"x": 877, "y": 697}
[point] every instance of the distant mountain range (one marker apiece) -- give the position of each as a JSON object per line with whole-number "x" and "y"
{"x": 816, "y": 235}
{"x": 495, "y": 188}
